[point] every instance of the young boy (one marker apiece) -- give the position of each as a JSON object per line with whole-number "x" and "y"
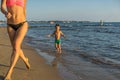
{"x": 57, "y": 33}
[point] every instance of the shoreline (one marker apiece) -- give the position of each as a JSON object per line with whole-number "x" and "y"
{"x": 74, "y": 66}
{"x": 39, "y": 69}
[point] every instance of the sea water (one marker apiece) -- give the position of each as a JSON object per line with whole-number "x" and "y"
{"x": 88, "y": 49}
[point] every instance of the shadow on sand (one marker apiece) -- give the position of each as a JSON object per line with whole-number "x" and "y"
{"x": 15, "y": 67}
{"x": 6, "y": 45}
{"x": 1, "y": 77}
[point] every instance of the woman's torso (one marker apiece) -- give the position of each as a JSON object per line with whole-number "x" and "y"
{"x": 17, "y": 12}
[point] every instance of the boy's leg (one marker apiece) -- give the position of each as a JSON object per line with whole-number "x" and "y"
{"x": 59, "y": 48}
{"x": 56, "y": 46}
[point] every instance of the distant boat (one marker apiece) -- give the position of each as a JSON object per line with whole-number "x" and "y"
{"x": 101, "y": 23}
{"x": 52, "y": 22}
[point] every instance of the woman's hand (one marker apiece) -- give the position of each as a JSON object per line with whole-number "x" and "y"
{"x": 8, "y": 15}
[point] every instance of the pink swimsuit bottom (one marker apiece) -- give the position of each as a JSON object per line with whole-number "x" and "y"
{"x": 10, "y": 3}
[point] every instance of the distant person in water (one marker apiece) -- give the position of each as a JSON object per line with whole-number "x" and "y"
{"x": 57, "y": 33}
{"x": 17, "y": 26}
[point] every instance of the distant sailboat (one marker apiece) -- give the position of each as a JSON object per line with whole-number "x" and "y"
{"x": 101, "y": 23}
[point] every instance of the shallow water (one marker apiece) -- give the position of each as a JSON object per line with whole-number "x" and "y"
{"x": 88, "y": 49}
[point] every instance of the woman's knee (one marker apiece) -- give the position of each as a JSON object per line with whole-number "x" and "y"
{"x": 16, "y": 47}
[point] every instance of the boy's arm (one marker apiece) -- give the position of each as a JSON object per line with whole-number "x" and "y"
{"x": 62, "y": 34}
{"x": 51, "y": 34}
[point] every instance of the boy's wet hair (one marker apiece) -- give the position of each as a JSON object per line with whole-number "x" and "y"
{"x": 57, "y": 25}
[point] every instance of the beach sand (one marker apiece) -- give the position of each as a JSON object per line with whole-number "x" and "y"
{"x": 39, "y": 69}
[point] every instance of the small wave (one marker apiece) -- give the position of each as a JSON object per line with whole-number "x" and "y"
{"x": 111, "y": 31}
{"x": 101, "y": 60}
{"x": 115, "y": 47}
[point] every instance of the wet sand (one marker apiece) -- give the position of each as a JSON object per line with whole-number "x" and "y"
{"x": 39, "y": 69}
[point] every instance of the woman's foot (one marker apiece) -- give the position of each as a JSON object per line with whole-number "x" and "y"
{"x": 8, "y": 75}
{"x": 27, "y": 64}
{"x": 6, "y": 78}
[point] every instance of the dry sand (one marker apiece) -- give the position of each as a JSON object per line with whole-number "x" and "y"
{"x": 39, "y": 69}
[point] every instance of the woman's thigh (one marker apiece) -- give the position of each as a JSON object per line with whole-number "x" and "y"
{"x": 20, "y": 34}
{"x": 11, "y": 34}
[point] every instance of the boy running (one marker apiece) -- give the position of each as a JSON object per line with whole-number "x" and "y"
{"x": 57, "y": 33}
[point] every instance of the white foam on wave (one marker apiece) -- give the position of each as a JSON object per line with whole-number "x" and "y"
{"x": 47, "y": 57}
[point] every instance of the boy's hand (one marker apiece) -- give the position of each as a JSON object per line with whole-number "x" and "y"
{"x": 65, "y": 37}
{"x": 49, "y": 35}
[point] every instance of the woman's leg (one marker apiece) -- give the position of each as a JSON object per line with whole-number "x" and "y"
{"x": 18, "y": 38}
{"x": 22, "y": 32}
{"x": 25, "y": 59}
{"x": 11, "y": 34}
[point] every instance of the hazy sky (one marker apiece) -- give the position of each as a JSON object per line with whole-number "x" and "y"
{"x": 88, "y": 10}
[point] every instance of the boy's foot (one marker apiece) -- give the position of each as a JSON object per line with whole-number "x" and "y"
{"x": 60, "y": 52}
